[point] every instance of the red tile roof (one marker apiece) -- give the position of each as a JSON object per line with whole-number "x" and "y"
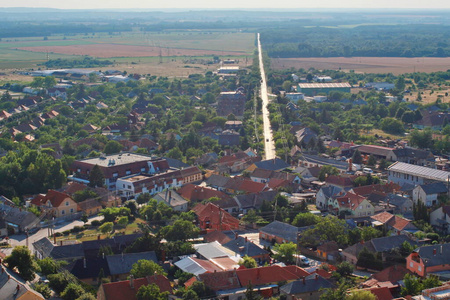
{"x": 56, "y": 198}
{"x": 382, "y": 293}
{"x": 215, "y": 216}
{"x": 265, "y": 275}
{"x": 369, "y": 189}
{"x": 73, "y": 187}
{"x": 392, "y": 274}
{"x": 218, "y": 236}
{"x": 350, "y": 200}
{"x": 221, "y": 280}
{"x": 122, "y": 290}
{"x": 396, "y": 222}
{"x": 346, "y": 181}
{"x": 297, "y": 271}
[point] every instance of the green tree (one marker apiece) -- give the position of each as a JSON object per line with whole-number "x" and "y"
{"x": 145, "y": 268}
{"x": 189, "y": 294}
{"x": 49, "y": 82}
{"x": 357, "y": 157}
{"x": 151, "y": 292}
{"x": 250, "y": 294}
{"x": 181, "y": 230}
{"x": 368, "y": 233}
{"x": 175, "y": 153}
{"x": 87, "y": 296}
{"x": 372, "y": 160}
{"x": 72, "y": 292}
{"x": 96, "y": 177}
{"x": 106, "y": 228}
{"x": 50, "y": 266}
{"x": 112, "y": 147}
{"x": 21, "y": 259}
{"x": 285, "y": 252}
{"x": 248, "y": 262}
{"x": 326, "y": 171}
{"x": 361, "y": 295}
{"x": 412, "y": 285}
{"x": 391, "y": 125}
{"x": 344, "y": 268}
{"x": 143, "y": 198}
{"x": 369, "y": 260}
{"x": 122, "y": 221}
{"x": 327, "y": 229}
{"x": 84, "y": 218}
{"x": 43, "y": 289}
{"x": 281, "y": 201}
{"x": 406, "y": 249}
{"x": 305, "y": 219}
{"x": 336, "y": 294}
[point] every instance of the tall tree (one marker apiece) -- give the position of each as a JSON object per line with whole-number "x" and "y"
{"x": 96, "y": 177}
{"x": 151, "y": 292}
{"x": 145, "y": 268}
{"x": 21, "y": 259}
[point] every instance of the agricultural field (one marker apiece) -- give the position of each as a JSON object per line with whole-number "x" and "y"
{"x": 161, "y": 54}
{"x": 395, "y": 65}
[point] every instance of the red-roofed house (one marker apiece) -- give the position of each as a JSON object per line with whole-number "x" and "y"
{"x": 58, "y": 203}
{"x": 381, "y": 293}
{"x": 265, "y": 275}
{"x": 395, "y": 223}
{"x": 127, "y": 289}
{"x": 211, "y": 217}
{"x": 355, "y": 205}
{"x": 340, "y": 181}
{"x": 389, "y": 277}
{"x": 193, "y": 192}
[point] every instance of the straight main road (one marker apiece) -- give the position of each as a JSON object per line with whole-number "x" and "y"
{"x": 269, "y": 145}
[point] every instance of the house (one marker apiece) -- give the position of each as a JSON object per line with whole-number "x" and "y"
{"x": 395, "y": 223}
{"x": 402, "y": 173}
{"x": 216, "y": 236}
{"x": 435, "y": 120}
{"x": 116, "y": 166}
{"x": 428, "y": 194}
{"x": 172, "y": 199}
{"x": 310, "y": 160}
{"x": 353, "y": 205}
{"x": 233, "y": 125}
{"x": 56, "y": 203}
{"x": 196, "y": 193}
{"x": 132, "y": 186}
{"x": 312, "y": 89}
{"x": 17, "y": 220}
{"x": 391, "y": 277}
{"x": 279, "y": 233}
{"x": 221, "y": 281}
{"x": 413, "y": 156}
{"x": 128, "y": 289}
{"x": 88, "y": 269}
{"x": 212, "y": 217}
{"x": 344, "y": 182}
{"x": 440, "y": 219}
{"x": 325, "y": 195}
{"x": 266, "y": 275}
{"x": 264, "y": 176}
{"x": 275, "y": 164}
{"x": 434, "y": 293}
{"x": 378, "y": 152}
{"x": 197, "y": 266}
{"x": 308, "y": 288}
{"x": 231, "y": 103}
{"x": 383, "y": 245}
{"x": 328, "y": 251}
{"x": 120, "y": 265}
{"x": 229, "y": 138}
{"x": 211, "y": 250}
{"x": 426, "y": 260}
{"x": 14, "y": 288}
{"x": 402, "y": 205}
{"x": 242, "y": 246}
{"x": 90, "y": 207}
{"x": 250, "y": 201}
{"x": 44, "y": 248}
{"x": 380, "y": 86}
{"x": 305, "y": 136}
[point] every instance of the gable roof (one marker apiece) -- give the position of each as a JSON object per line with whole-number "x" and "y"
{"x": 344, "y": 181}
{"x": 90, "y": 267}
{"x": 255, "y": 200}
{"x": 211, "y": 250}
{"x": 122, "y": 290}
{"x": 283, "y": 230}
{"x": 312, "y": 283}
{"x": 272, "y": 164}
{"x": 434, "y": 188}
{"x": 241, "y": 246}
{"x": 264, "y": 275}
{"x": 424, "y": 172}
{"x": 12, "y": 287}
{"x": 122, "y": 263}
{"x": 393, "y": 274}
{"x": 218, "y": 236}
{"x": 215, "y": 215}
{"x": 196, "y": 266}
{"x": 18, "y": 216}
{"x": 375, "y": 150}
{"x": 430, "y": 259}
{"x": 350, "y": 201}
{"x": 56, "y": 198}
{"x": 221, "y": 280}
{"x": 198, "y": 193}
{"x": 388, "y": 243}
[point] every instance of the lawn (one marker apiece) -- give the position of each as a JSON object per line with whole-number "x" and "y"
{"x": 93, "y": 233}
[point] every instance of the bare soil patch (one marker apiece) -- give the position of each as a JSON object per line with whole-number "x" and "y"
{"x": 117, "y": 50}
{"x": 395, "y": 65}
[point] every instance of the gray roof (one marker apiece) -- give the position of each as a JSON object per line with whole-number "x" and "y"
{"x": 397, "y": 200}
{"x": 390, "y": 242}
{"x": 283, "y": 230}
{"x": 272, "y": 164}
{"x": 217, "y": 180}
{"x": 312, "y": 284}
{"x": 175, "y": 163}
{"x": 242, "y": 247}
{"x": 67, "y": 251}
{"x": 342, "y": 165}
{"x": 122, "y": 263}
{"x": 171, "y": 198}
{"x": 210, "y": 250}
{"x": 442, "y": 256}
{"x": 330, "y": 191}
{"x": 255, "y": 200}
{"x": 428, "y": 173}
{"x": 434, "y": 188}
{"x": 413, "y": 153}
{"x": 20, "y": 217}
{"x": 8, "y": 286}
{"x": 44, "y": 246}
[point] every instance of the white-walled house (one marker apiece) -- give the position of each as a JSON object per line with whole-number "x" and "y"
{"x": 428, "y": 193}
{"x": 401, "y": 173}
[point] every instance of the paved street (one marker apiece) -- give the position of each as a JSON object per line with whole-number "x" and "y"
{"x": 20, "y": 239}
{"x": 269, "y": 145}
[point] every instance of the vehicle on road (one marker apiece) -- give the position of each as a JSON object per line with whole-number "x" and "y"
{"x": 267, "y": 140}
{"x": 304, "y": 261}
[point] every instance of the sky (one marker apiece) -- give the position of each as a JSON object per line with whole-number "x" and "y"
{"x": 228, "y": 4}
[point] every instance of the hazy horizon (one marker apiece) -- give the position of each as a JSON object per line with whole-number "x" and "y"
{"x": 231, "y": 4}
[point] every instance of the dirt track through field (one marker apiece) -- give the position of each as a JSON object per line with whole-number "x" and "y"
{"x": 395, "y": 65}
{"x": 117, "y": 50}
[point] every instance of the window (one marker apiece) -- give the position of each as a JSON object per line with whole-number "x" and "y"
{"x": 419, "y": 268}
{"x": 71, "y": 210}
{"x": 63, "y": 212}
{"x": 128, "y": 172}
{"x": 142, "y": 169}
{"x": 129, "y": 187}
{"x": 79, "y": 170}
{"x": 411, "y": 264}
{"x": 67, "y": 203}
{"x": 115, "y": 174}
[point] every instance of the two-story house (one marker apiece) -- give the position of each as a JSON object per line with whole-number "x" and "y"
{"x": 428, "y": 259}
{"x": 59, "y": 204}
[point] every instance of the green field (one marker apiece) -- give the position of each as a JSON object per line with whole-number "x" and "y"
{"x": 13, "y": 58}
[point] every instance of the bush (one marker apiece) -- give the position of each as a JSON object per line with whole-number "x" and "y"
{"x": 96, "y": 223}
{"x": 77, "y": 229}
{"x": 72, "y": 292}
{"x": 43, "y": 289}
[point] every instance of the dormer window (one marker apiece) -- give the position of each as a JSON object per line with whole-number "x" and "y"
{"x": 67, "y": 203}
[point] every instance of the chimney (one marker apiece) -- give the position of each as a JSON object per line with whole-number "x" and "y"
{"x": 317, "y": 277}
{"x": 362, "y": 242}
{"x": 441, "y": 250}
{"x": 18, "y": 287}
{"x": 132, "y": 281}
{"x": 246, "y": 239}
{"x": 236, "y": 235}
{"x": 434, "y": 252}
{"x": 84, "y": 262}
{"x": 103, "y": 255}
{"x": 304, "y": 280}
{"x": 98, "y": 237}
{"x": 350, "y": 164}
